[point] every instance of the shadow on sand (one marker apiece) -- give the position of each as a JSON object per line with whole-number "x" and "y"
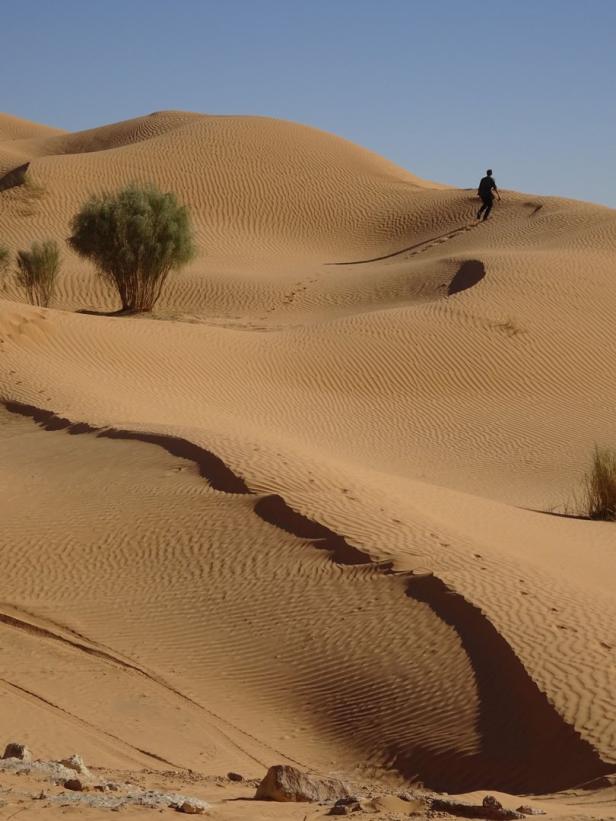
{"x": 524, "y": 743}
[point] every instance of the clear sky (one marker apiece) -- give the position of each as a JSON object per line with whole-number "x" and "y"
{"x": 445, "y": 88}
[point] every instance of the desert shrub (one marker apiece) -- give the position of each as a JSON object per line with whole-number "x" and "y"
{"x": 28, "y": 195}
{"x": 599, "y": 499}
{"x": 34, "y": 189}
{"x": 135, "y": 238}
{"x": 37, "y": 270}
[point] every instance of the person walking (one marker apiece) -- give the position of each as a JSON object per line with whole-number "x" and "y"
{"x": 486, "y": 187}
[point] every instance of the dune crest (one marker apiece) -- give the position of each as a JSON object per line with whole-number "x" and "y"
{"x": 16, "y": 128}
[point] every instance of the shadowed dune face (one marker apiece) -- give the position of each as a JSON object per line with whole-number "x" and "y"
{"x": 521, "y": 744}
{"x": 525, "y": 744}
{"x": 282, "y": 518}
{"x": 467, "y": 276}
{"x": 248, "y": 668}
{"x": 14, "y": 178}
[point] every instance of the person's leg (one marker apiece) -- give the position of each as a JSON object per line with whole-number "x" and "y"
{"x": 488, "y": 206}
{"x": 481, "y": 210}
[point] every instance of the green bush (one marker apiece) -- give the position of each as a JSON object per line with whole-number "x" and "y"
{"x": 600, "y": 485}
{"x": 135, "y": 238}
{"x": 37, "y": 270}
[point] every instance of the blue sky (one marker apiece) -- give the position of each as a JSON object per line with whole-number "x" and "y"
{"x": 443, "y": 88}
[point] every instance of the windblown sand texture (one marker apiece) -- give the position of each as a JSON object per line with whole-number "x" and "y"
{"x": 295, "y": 515}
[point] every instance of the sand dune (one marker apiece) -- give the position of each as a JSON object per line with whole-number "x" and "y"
{"x": 292, "y": 515}
{"x": 16, "y": 128}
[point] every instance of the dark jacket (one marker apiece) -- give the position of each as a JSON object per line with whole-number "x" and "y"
{"x": 486, "y": 186}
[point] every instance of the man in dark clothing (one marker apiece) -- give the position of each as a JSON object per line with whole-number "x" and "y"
{"x": 486, "y": 187}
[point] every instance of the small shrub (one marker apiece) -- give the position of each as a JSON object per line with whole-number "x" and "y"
{"x": 29, "y": 193}
{"x": 600, "y": 485}
{"x": 34, "y": 190}
{"x": 37, "y": 270}
{"x": 135, "y": 238}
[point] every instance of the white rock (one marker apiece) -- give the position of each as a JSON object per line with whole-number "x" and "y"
{"x": 283, "y": 783}
{"x": 75, "y": 762}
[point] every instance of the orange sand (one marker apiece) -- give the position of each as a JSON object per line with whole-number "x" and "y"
{"x": 290, "y": 517}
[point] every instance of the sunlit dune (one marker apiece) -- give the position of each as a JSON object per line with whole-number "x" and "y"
{"x": 304, "y": 511}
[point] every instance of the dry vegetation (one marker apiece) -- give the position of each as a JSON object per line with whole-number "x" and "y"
{"x": 599, "y": 500}
{"x": 37, "y": 270}
{"x": 29, "y": 195}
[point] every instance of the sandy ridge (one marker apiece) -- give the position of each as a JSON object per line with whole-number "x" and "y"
{"x": 491, "y": 656}
{"x": 351, "y": 364}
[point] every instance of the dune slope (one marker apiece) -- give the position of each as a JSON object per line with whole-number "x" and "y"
{"x": 293, "y": 512}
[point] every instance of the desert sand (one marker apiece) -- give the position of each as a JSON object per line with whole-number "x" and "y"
{"x": 309, "y": 511}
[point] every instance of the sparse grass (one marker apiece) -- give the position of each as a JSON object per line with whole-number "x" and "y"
{"x": 26, "y": 196}
{"x": 34, "y": 190}
{"x": 37, "y": 270}
{"x": 135, "y": 238}
{"x": 599, "y": 492}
